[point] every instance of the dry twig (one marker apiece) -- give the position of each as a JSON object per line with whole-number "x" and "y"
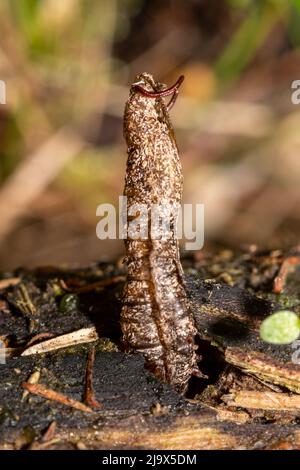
{"x": 288, "y": 266}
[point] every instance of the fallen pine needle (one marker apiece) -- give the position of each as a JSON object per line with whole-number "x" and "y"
{"x": 89, "y": 397}
{"x": 84, "y": 335}
{"x": 12, "y": 281}
{"x": 42, "y": 391}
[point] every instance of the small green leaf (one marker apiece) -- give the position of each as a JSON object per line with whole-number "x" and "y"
{"x": 280, "y": 328}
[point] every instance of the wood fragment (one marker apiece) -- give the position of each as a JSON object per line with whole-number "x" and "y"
{"x": 89, "y": 397}
{"x": 4, "y": 342}
{"x": 155, "y": 318}
{"x": 45, "y": 392}
{"x": 263, "y": 400}
{"x": 272, "y": 387}
{"x": 24, "y": 301}
{"x": 84, "y": 335}
{"x": 38, "y": 170}
{"x": 159, "y": 410}
{"x": 33, "y": 379}
{"x": 288, "y": 266}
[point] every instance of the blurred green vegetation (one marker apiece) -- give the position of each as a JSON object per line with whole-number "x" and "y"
{"x": 68, "y": 65}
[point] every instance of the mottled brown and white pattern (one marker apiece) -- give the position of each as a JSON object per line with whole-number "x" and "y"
{"x": 155, "y": 317}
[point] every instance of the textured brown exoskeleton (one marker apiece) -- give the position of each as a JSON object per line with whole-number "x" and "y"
{"x": 155, "y": 317}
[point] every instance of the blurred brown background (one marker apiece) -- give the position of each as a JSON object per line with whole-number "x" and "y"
{"x": 67, "y": 66}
